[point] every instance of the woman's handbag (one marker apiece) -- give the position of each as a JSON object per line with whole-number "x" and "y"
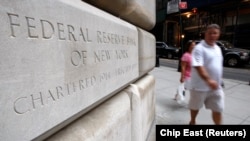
{"x": 180, "y": 94}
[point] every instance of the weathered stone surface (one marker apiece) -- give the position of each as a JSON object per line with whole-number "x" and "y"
{"x": 143, "y": 106}
{"x": 59, "y": 59}
{"x": 111, "y": 121}
{"x": 138, "y": 12}
{"x": 147, "y": 51}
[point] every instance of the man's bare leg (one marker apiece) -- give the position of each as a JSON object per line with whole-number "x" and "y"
{"x": 217, "y": 117}
{"x": 193, "y": 114}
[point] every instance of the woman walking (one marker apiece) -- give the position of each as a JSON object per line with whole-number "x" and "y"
{"x": 186, "y": 60}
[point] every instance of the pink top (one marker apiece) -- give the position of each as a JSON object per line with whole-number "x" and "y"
{"x": 187, "y": 58}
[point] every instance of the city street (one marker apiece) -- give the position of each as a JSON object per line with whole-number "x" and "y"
{"x": 169, "y": 112}
{"x": 241, "y": 73}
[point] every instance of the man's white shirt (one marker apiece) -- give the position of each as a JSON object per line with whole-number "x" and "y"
{"x": 210, "y": 57}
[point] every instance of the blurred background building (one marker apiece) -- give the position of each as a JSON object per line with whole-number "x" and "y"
{"x": 176, "y": 26}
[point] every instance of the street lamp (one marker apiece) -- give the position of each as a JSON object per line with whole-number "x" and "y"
{"x": 182, "y": 5}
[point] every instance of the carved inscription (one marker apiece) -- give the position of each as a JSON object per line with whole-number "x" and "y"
{"x": 45, "y": 29}
{"x": 102, "y": 55}
{"x": 111, "y": 38}
{"x": 40, "y": 99}
{"x": 78, "y": 57}
{"x": 106, "y": 55}
{"x": 37, "y": 28}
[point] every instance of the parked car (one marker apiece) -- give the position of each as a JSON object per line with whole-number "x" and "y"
{"x": 164, "y": 50}
{"x": 233, "y": 57}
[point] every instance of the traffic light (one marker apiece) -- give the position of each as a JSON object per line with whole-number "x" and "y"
{"x": 194, "y": 10}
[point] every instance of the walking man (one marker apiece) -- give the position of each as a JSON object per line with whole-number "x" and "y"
{"x": 206, "y": 76}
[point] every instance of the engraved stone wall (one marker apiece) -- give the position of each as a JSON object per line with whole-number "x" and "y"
{"x": 57, "y": 60}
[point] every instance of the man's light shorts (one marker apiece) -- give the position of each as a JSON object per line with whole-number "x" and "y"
{"x": 213, "y": 100}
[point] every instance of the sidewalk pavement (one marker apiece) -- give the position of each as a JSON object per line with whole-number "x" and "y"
{"x": 168, "y": 111}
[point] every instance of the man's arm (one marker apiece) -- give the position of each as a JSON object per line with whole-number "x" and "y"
{"x": 205, "y": 76}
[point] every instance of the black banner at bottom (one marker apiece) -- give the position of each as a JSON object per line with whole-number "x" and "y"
{"x": 202, "y": 132}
